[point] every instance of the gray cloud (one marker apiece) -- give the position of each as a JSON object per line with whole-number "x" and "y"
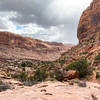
{"x": 46, "y": 14}
{"x": 34, "y": 11}
{"x": 28, "y": 11}
{"x": 2, "y": 24}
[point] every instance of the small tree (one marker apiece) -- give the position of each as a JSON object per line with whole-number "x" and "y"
{"x": 98, "y": 57}
{"x": 26, "y": 64}
{"x": 40, "y": 74}
{"x": 81, "y": 66}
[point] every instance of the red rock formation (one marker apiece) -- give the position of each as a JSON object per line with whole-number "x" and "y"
{"x": 16, "y": 46}
{"x": 72, "y": 74}
{"x": 88, "y": 34}
{"x": 89, "y": 25}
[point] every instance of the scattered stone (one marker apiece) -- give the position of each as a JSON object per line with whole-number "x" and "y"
{"x": 54, "y": 93}
{"x": 4, "y": 86}
{"x": 43, "y": 90}
{"x": 97, "y": 87}
{"x": 43, "y": 86}
{"x": 82, "y": 84}
{"x": 48, "y": 94}
{"x": 94, "y": 97}
{"x": 71, "y": 83}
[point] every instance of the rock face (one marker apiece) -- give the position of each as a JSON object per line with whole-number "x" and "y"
{"x": 89, "y": 37}
{"x": 89, "y": 25}
{"x": 16, "y": 46}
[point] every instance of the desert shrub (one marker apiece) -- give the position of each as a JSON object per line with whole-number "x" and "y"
{"x": 4, "y": 86}
{"x": 31, "y": 78}
{"x": 29, "y": 81}
{"x": 1, "y": 82}
{"x": 84, "y": 53}
{"x": 56, "y": 74}
{"x": 16, "y": 64}
{"x": 62, "y": 62}
{"x": 22, "y": 76}
{"x": 51, "y": 74}
{"x": 97, "y": 75}
{"x": 81, "y": 66}
{"x": 26, "y": 64}
{"x": 40, "y": 74}
{"x": 97, "y": 57}
{"x": 99, "y": 39}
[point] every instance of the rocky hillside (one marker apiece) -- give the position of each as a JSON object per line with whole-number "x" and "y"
{"x": 13, "y": 46}
{"x": 89, "y": 41}
{"x": 88, "y": 34}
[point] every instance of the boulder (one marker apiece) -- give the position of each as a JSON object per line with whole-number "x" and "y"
{"x": 2, "y": 73}
{"x": 72, "y": 74}
{"x": 82, "y": 84}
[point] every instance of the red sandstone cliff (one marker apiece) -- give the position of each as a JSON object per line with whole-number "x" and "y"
{"x": 16, "y": 46}
{"x": 88, "y": 33}
{"x": 89, "y": 25}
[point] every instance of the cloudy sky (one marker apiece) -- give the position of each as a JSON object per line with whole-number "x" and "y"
{"x": 49, "y": 20}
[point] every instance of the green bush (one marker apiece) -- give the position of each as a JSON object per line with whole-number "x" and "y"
{"x": 40, "y": 74}
{"x": 81, "y": 66}
{"x": 97, "y": 75}
{"x": 84, "y": 53}
{"x": 58, "y": 75}
{"x": 97, "y": 57}
{"x": 26, "y": 64}
{"x": 21, "y": 76}
{"x": 4, "y": 86}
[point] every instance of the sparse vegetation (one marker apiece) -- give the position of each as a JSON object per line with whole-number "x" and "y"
{"x": 84, "y": 53}
{"x": 81, "y": 66}
{"x": 26, "y": 64}
{"x": 97, "y": 58}
{"x": 97, "y": 75}
{"x": 58, "y": 75}
{"x": 4, "y": 86}
{"x": 22, "y": 76}
{"x": 40, "y": 74}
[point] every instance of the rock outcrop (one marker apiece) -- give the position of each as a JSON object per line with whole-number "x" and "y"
{"x": 89, "y": 25}
{"x": 89, "y": 37}
{"x": 16, "y": 46}
{"x": 72, "y": 74}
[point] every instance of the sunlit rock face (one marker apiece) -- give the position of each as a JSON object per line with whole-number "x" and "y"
{"x": 89, "y": 25}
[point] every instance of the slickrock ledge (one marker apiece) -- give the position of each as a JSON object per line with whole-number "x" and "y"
{"x": 53, "y": 91}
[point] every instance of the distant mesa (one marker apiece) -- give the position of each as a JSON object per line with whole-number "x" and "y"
{"x": 14, "y": 46}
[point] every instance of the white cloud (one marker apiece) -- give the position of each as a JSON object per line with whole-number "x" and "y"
{"x": 50, "y": 20}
